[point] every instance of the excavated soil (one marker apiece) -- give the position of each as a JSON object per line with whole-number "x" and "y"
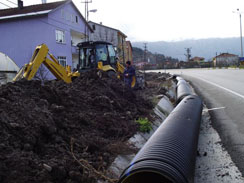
{"x": 58, "y": 132}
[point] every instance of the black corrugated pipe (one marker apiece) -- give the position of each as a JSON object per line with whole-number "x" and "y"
{"x": 183, "y": 89}
{"x": 181, "y": 81}
{"x": 169, "y": 155}
{"x": 178, "y": 78}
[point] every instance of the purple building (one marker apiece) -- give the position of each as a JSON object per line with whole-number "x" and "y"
{"x": 59, "y": 25}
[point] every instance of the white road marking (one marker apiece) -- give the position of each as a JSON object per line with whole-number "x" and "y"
{"x": 216, "y": 108}
{"x": 226, "y": 89}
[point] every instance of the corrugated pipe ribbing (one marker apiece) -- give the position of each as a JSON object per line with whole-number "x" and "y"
{"x": 169, "y": 155}
{"x": 183, "y": 89}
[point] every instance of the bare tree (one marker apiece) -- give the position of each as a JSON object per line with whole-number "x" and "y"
{"x": 112, "y": 37}
{"x": 41, "y": 74}
{"x": 100, "y": 34}
{"x": 106, "y": 34}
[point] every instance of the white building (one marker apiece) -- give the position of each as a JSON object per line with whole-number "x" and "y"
{"x": 226, "y": 59}
{"x": 103, "y": 33}
{"x": 111, "y": 35}
{"x": 8, "y": 69}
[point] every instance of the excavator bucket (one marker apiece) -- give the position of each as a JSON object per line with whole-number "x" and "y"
{"x": 20, "y": 74}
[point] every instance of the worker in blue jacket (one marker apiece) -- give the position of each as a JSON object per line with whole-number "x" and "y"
{"x": 129, "y": 73}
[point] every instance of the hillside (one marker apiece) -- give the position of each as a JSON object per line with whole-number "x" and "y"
{"x": 138, "y": 56}
{"x": 206, "y": 48}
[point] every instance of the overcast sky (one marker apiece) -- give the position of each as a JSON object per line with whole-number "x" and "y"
{"x": 164, "y": 20}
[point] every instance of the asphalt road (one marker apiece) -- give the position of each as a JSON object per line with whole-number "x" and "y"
{"x": 223, "y": 93}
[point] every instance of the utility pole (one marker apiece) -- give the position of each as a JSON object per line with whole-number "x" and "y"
{"x": 188, "y": 54}
{"x": 145, "y": 58}
{"x": 238, "y": 11}
{"x": 156, "y": 58}
{"x": 241, "y": 36}
{"x": 216, "y": 59}
{"x": 145, "y": 52}
{"x": 86, "y": 16}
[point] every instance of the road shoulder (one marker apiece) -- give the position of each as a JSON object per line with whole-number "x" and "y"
{"x": 213, "y": 162}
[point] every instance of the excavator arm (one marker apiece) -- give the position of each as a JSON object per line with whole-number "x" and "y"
{"x": 120, "y": 67}
{"x": 39, "y": 57}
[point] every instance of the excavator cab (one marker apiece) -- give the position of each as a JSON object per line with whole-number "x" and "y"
{"x": 100, "y": 55}
{"x": 97, "y": 54}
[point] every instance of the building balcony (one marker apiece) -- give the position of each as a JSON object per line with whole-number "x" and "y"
{"x": 74, "y": 50}
{"x": 76, "y": 37}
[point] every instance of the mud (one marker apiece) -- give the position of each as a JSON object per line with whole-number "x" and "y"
{"x": 58, "y": 132}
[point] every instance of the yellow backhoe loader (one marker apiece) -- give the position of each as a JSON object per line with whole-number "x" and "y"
{"x": 92, "y": 55}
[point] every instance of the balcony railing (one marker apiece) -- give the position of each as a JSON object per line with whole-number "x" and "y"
{"x": 74, "y": 50}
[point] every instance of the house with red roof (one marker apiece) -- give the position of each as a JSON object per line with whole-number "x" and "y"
{"x": 225, "y": 59}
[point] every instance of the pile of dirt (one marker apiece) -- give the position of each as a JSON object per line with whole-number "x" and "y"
{"x": 58, "y": 132}
{"x": 157, "y": 84}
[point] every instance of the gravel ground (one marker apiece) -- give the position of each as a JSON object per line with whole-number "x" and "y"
{"x": 213, "y": 163}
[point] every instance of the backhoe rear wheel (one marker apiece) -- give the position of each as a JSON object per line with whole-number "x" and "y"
{"x": 111, "y": 74}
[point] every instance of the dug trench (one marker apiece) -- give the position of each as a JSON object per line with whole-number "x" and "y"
{"x": 58, "y": 132}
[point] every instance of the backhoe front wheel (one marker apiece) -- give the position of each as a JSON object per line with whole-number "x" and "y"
{"x": 111, "y": 74}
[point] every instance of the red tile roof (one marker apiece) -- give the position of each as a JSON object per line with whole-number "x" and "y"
{"x": 197, "y": 59}
{"x": 30, "y": 9}
{"x": 227, "y": 55}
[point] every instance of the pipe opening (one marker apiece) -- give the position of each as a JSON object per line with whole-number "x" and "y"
{"x": 146, "y": 177}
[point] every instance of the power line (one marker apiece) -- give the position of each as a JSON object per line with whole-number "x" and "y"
{"x": 11, "y": 2}
{"x": 5, "y": 5}
{"x": 61, "y": 22}
{"x": 62, "y": 28}
{"x": 52, "y": 25}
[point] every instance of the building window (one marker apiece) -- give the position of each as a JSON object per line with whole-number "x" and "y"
{"x": 72, "y": 18}
{"x": 67, "y": 16}
{"x": 76, "y": 19}
{"x": 62, "y": 61}
{"x": 60, "y": 38}
{"x": 62, "y": 14}
{"x": 93, "y": 27}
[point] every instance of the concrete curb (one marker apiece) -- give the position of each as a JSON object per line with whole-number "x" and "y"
{"x": 165, "y": 106}
{"x": 162, "y": 110}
